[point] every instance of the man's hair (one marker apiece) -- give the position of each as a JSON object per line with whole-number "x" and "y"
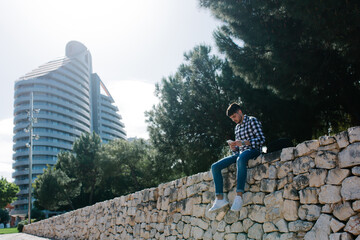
{"x": 233, "y": 108}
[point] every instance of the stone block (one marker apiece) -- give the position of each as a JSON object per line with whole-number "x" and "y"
{"x": 285, "y": 169}
{"x": 326, "y": 140}
{"x": 350, "y": 156}
{"x": 302, "y": 165}
{"x": 336, "y": 225}
{"x": 350, "y": 189}
{"x": 272, "y": 172}
{"x": 271, "y": 157}
{"x": 287, "y": 154}
{"x": 269, "y": 227}
{"x": 329, "y": 194}
{"x": 247, "y": 223}
{"x": 321, "y": 229}
{"x": 258, "y": 198}
{"x": 337, "y": 175}
{"x": 353, "y": 225}
{"x": 290, "y": 210}
{"x": 306, "y": 148}
{"x": 341, "y": 236}
{"x": 354, "y": 134}
{"x": 256, "y": 231}
{"x": 236, "y": 227}
{"x": 300, "y": 226}
{"x": 261, "y": 172}
{"x": 309, "y": 212}
{"x": 257, "y": 213}
{"x": 290, "y": 192}
{"x": 356, "y": 171}
{"x": 327, "y": 208}
{"x": 247, "y": 198}
{"x": 356, "y": 206}
{"x": 254, "y": 162}
{"x": 342, "y": 139}
{"x": 317, "y": 177}
{"x": 326, "y": 159}
{"x": 301, "y": 181}
{"x": 343, "y": 211}
{"x": 271, "y": 236}
{"x": 282, "y": 226}
{"x": 309, "y": 196}
{"x": 268, "y": 185}
{"x": 332, "y": 147}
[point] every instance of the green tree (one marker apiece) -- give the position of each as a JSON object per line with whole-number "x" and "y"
{"x": 306, "y": 52}
{"x": 73, "y": 180}
{"x": 127, "y": 167}
{"x": 82, "y": 164}
{"x": 189, "y": 127}
{"x": 8, "y": 192}
{"x": 54, "y": 190}
{"x": 4, "y": 216}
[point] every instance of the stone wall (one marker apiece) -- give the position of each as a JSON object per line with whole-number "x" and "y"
{"x": 311, "y": 191}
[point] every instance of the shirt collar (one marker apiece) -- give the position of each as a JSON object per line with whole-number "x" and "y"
{"x": 245, "y": 119}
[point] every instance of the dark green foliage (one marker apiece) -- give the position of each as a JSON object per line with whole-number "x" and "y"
{"x": 305, "y": 52}
{"x": 21, "y": 225}
{"x": 93, "y": 172}
{"x": 127, "y": 167}
{"x": 189, "y": 127}
{"x": 8, "y": 192}
{"x": 4, "y": 216}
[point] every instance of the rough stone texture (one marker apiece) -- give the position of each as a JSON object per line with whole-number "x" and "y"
{"x": 343, "y": 211}
{"x": 337, "y": 175}
{"x": 353, "y": 225}
{"x": 354, "y": 134}
{"x": 326, "y": 159}
{"x": 356, "y": 171}
{"x": 287, "y": 154}
{"x": 309, "y": 212}
{"x": 350, "y": 189}
{"x": 335, "y": 225}
{"x": 290, "y": 210}
{"x": 306, "y": 147}
{"x": 307, "y": 192}
{"x": 317, "y": 177}
{"x": 329, "y": 194}
{"x": 350, "y": 156}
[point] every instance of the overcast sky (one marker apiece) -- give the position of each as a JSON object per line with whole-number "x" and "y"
{"x": 133, "y": 43}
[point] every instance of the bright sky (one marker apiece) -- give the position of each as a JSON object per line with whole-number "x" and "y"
{"x": 133, "y": 43}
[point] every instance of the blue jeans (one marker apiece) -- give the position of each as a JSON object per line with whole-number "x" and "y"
{"x": 241, "y": 163}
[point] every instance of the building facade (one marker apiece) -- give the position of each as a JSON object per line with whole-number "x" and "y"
{"x": 72, "y": 100}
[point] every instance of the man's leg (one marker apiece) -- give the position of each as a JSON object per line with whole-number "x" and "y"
{"x": 216, "y": 172}
{"x": 241, "y": 164}
{"x": 216, "y": 168}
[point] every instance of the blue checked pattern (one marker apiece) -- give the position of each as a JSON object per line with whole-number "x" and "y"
{"x": 250, "y": 129}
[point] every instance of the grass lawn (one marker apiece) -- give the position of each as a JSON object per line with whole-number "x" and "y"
{"x": 8, "y": 230}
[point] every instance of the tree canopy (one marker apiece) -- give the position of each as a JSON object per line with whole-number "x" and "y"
{"x": 306, "y": 52}
{"x": 92, "y": 172}
{"x": 8, "y": 192}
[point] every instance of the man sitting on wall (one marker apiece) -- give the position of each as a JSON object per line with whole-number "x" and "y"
{"x": 249, "y": 139}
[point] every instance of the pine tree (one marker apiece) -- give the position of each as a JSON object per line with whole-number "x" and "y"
{"x": 305, "y": 52}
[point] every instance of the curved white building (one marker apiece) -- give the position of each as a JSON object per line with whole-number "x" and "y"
{"x": 72, "y": 100}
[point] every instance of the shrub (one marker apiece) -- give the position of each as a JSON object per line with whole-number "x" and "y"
{"x": 21, "y": 225}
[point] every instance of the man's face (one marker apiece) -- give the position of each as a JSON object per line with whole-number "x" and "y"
{"x": 237, "y": 117}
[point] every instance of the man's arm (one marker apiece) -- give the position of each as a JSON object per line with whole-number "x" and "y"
{"x": 259, "y": 138}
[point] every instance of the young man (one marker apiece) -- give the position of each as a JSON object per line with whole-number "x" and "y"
{"x": 249, "y": 139}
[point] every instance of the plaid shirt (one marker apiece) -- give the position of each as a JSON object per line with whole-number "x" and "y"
{"x": 249, "y": 129}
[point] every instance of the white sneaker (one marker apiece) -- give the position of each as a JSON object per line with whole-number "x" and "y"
{"x": 218, "y": 204}
{"x": 237, "y": 204}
